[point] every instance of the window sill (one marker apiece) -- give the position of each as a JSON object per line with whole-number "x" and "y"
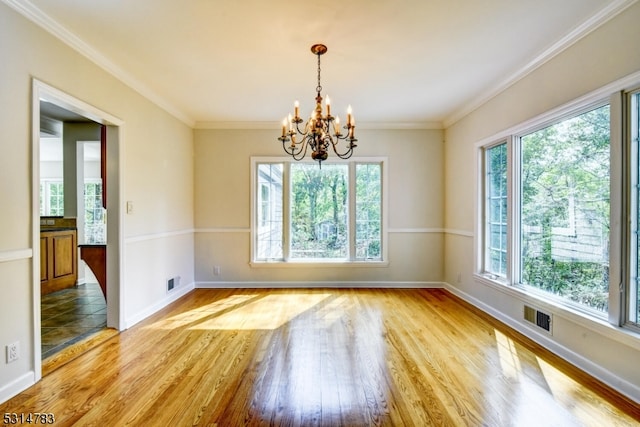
{"x": 596, "y": 324}
{"x": 318, "y": 264}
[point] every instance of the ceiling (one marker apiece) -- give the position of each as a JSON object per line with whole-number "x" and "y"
{"x": 48, "y": 109}
{"x": 413, "y": 62}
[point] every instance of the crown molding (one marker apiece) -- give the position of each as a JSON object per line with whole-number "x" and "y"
{"x": 34, "y": 14}
{"x": 37, "y": 16}
{"x": 276, "y": 125}
{"x": 594, "y": 22}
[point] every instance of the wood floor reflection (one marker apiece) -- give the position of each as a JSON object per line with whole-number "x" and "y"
{"x": 324, "y": 357}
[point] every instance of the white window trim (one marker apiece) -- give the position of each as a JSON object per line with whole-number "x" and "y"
{"x": 628, "y": 213}
{"x": 320, "y": 263}
{"x": 614, "y": 321}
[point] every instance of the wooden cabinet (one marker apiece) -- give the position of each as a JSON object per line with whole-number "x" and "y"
{"x": 58, "y": 260}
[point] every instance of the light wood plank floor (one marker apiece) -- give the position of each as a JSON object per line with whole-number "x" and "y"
{"x": 324, "y": 357}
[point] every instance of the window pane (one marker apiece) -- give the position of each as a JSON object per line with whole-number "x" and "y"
{"x": 269, "y": 210}
{"x": 368, "y": 211}
{"x": 42, "y": 207}
{"x": 565, "y": 209}
{"x": 319, "y": 211}
{"x": 496, "y": 210}
{"x": 95, "y": 227}
{"x": 633, "y": 299}
{"x": 56, "y": 199}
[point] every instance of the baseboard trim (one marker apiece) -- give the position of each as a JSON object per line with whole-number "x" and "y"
{"x": 17, "y": 386}
{"x": 605, "y": 376}
{"x": 319, "y": 284}
{"x": 173, "y": 296}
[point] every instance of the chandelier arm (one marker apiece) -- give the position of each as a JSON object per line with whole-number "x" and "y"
{"x": 344, "y": 136}
{"x": 298, "y": 128}
{"x": 297, "y": 152}
{"x": 294, "y": 148}
{"x": 302, "y": 152}
{"x": 288, "y": 148}
{"x": 346, "y": 154}
{"x": 335, "y": 140}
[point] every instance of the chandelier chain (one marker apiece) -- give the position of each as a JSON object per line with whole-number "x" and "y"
{"x": 319, "y": 88}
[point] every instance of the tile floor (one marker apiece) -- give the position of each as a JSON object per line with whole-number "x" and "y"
{"x": 70, "y": 315}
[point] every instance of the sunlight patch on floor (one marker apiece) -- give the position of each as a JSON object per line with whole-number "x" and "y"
{"x": 508, "y": 354}
{"x": 269, "y": 312}
{"x": 201, "y": 313}
{"x": 527, "y": 396}
{"x": 573, "y": 396}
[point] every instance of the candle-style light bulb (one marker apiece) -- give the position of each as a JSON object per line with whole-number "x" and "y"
{"x": 349, "y": 112}
{"x": 284, "y": 126}
{"x": 296, "y": 109}
{"x": 336, "y": 125}
{"x": 328, "y": 104}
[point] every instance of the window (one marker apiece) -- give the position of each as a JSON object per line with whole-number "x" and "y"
{"x": 633, "y": 294}
{"x": 368, "y": 211}
{"x": 496, "y": 210}
{"x": 559, "y": 206}
{"x": 319, "y": 211}
{"x": 270, "y": 228}
{"x": 564, "y": 208}
{"x": 558, "y": 243}
{"x": 51, "y": 198}
{"x": 95, "y": 227}
{"x": 307, "y": 213}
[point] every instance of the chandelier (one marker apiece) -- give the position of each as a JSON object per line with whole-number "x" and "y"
{"x": 320, "y": 131}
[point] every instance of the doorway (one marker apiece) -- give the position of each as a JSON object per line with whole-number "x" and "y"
{"x": 51, "y": 104}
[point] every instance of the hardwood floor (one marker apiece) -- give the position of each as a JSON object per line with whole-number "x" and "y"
{"x": 323, "y": 357}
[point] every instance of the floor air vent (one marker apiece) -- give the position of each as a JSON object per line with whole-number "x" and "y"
{"x": 538, "y": 318}
{"x": 172, "y": 283}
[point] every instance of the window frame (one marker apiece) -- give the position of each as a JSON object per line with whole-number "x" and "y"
{"x": 516, "y": 228}
{"x": 616, "y": 95}
{"x": 286, "y": 260}
{"x": 486, "y": 234}
{"x": 631, "y": 204}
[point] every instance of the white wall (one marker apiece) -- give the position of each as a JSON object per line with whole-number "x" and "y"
{"x": 608, "y": 54}
{"x": 71, "y": 134}
{"x": 223, "y": 200}
{"x": 157, "y": 175}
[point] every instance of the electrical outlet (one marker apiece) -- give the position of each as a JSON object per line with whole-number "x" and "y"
{"x": 216, "y": 270}
{"x": 13, "y": 352}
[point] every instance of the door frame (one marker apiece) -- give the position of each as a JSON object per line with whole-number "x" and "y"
{"x": 115, "y": 219}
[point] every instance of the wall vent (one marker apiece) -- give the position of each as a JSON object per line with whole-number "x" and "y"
{"x": 538, "y": 318}
{"x": 173, "y": 283}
